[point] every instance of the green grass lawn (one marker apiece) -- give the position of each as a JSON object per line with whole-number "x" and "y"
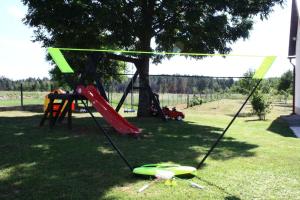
{"x": 256, "y": 159}
{"x": 13, "y": 98}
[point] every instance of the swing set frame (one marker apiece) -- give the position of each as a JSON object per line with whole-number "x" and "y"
{"x": 259, "y": 75}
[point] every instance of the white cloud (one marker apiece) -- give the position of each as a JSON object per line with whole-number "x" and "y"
{"x": 16, "y": 11}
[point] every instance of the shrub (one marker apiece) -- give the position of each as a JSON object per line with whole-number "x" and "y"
{"x": 285, "y": 95}
{"x": 196, "y": 101}
{"x": 260, "y": 105}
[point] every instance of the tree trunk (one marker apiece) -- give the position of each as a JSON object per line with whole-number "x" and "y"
{"x": 144, "y": 96}
{"x": 143, "y": 66}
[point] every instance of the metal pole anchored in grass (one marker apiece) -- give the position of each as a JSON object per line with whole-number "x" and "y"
{"x": 228, "y": 126}
{"x": 108, "y": 137}
{"x": 259, "y": 74}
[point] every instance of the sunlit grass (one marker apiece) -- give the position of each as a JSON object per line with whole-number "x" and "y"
{"x": 256, "y": 159}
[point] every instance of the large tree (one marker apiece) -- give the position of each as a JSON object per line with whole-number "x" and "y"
{"x": 206, "y": 26}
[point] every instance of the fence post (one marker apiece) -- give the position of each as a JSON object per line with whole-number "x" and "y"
{"x": 22, "y": 106}
{"x": 187, "y": 101}
{"x": 168, "y": 100}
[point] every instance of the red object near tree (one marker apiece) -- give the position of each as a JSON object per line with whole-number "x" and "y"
{"x": 173, "y": 114}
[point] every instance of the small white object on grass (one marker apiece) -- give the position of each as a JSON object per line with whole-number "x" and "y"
{"x": 164, "y": 174}
{"x": 160, "y": 175}
{"x": 147, "y": 185}
{"x": 143, "y": 188}
{"x": 195, "y": 185}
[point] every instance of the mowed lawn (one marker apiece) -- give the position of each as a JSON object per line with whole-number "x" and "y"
{"x": 13, "y": 98}
{"x": 256, "y": 159}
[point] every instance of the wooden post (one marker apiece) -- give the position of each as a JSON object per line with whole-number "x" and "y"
{"x": 50, "y": 105}
{"x": 181, "y": 96}
{"x": 70, "y": 112}
{"x": 22, "y": 106}
{"x": 187, "y": 101}
{"x": 168, "y": 99}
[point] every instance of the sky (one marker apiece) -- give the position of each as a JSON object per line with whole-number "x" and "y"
{"x": 21, "y": 58}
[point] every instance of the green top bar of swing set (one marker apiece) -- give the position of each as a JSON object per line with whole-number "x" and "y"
{"x": 264, "y": 67}
{"x": 65, "y": 67}
{"x": 60, "y": 60}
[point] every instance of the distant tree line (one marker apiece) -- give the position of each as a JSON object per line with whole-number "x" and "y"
{"x": 200, "y": 84}
{"x": 29, "y": 84}
{"x": 282, "y": 85}
{"x": 171, "y": 84}
{"x": 175, "y": 84}
{"x": 178, "y": 84}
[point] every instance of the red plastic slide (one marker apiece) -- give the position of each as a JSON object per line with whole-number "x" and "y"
{"x": 120, "y": 124}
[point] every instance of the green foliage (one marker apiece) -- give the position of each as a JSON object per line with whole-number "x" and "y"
{"x": 261, "y": 104}
{"x": 189, "y": 85}
{"x": 196, "y": 101}
{"x": 285, "y": 95}
{"x": 286, "y": 82}
{"x": 175, "y": 25}
{"x": 245, "y": 85}
{"x": 186, "y": 26}
{"x": 29, "y": 84}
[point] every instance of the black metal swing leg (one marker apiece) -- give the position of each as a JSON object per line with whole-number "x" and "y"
{"x": 228, "y": 126}
{"x": 108, "y": 138}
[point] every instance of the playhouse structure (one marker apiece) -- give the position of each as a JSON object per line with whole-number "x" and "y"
{"x": 294, "y": 52}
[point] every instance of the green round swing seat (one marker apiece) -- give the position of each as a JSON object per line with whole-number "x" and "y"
{"x": 153, "y": 169}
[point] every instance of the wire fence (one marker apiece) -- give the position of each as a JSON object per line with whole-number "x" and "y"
{"x": 24, "y": 98}
{"x": 16, "y": 98}
{"x": 172, "y": 93}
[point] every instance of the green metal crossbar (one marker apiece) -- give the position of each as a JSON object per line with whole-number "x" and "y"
{"x": 264, "y": 67}
{"x": 60, "y": 60}
{"x": 64, "y": 66}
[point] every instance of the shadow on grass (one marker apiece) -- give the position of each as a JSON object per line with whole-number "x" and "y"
{"x": 242, "y": 114}
{"x": 221, "y": 189}
{"x": 283, "y": 105}
{"x": 255, "y": 120}
{"x": 280, "y": 127}
{"x": 39, "y": 163}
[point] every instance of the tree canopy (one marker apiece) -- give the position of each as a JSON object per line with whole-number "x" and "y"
{"x": 286, "y": 82}
{"x": 29, "y": 84}
{"x": 245, "y": 85}
{"x": 206, "y": 26}
{"x": 190, "y": 25}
